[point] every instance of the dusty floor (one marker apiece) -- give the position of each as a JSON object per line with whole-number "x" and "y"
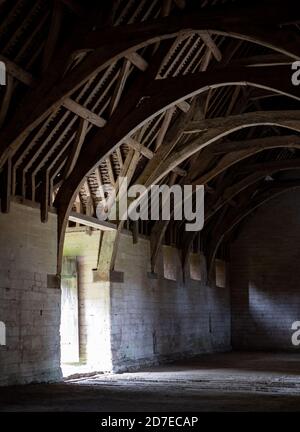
{"x": 222, "y": 382}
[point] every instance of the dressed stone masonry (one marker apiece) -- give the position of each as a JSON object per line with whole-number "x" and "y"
{"x": 29, "y": 309}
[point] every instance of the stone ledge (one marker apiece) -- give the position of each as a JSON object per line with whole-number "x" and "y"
{"x": 111, "y": 276}
{"x": 53, "y": 281}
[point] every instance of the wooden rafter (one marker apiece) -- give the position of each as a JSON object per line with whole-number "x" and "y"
{"x": 236, "y": 215}
{"x": 76, "y": 148}
{"x": 211, "y": 45}
{"x": 12, "y": 136}
{"x": 76, "y": 114}
{"x": 53, "y": 36}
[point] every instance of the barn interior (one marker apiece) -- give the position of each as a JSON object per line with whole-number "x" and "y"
{"x": 97, "y": 314}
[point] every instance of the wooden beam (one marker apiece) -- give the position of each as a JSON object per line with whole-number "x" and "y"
{"x": 123, "y": 74}
{"x": 160, "y": 227}
{"x": 288, "y": 141}
{"x": 44, "y": 99}
{"x": 119, "y": 156}
{"x": 180, "y": 3}
{"x": 251, "y": 147}
{"x": 237, "y": 154}
{"x": 92, "y": 222}
{"x": 290, "y": 116}
{"x": 166, "y": 8}
{"x": 205, "y": 60}
{"x": 164, "y": 127}
{"x": 183, "y": 105}
{"x": 110, "y": 171}
{"x": 274, "y": 59}
{"x": 230, "y": 20}
{"x": 45, "y": 196}
{"x": 8, "y": 91}
{"x": 128, "y": 170}
{"x": 135, "y": 231}
{"x": 210, "y": 43}
{"x": 100, "y": 188}
{"x": 236, "y": 215}
{"x": 258, "y": 145}
{"x": 76, "y": 147}
{"x": 158, "y": 232}
{"x": 5, "y": 187}
{"x": 137, "y": 60}
{"x": 179, "y": 171}
{"x": 162, "y": 94}
{"x": 238, "y": 187}
{"x": 271, "y": 166}
{"x": 53, "y": 35}
{"x": 17, "y": 72}
{"x": 215, "y": 129}
{"x": 149, "y": 154}
{"x": 234, "y": 98}
{"x": 139, "y": 147}
{"x": 83, "y": 112}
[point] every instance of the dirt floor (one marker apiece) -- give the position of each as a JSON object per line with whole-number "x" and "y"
{"x": 222, "y": 382}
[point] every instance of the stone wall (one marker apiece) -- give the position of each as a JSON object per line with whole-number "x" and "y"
{"x": 154, "y": 319}
{"x": 143, "y": 320}
{"x": 29, "y": 309}
{"x": 265, "y": 276}
{"x": 146, "y": 319}
{"x": 94, "y": 301}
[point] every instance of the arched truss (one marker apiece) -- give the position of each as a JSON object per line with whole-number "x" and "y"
{"x": 253, "y": 174}
{"x": 288, "y": 120}
{"x": 233, "y": 153}
{"x": 235, "y": 216}
{"x": 122, "y": 41}
{"x": 162, "y": 165}
{"x": 214, "y": 132}
{"x": 144, "y": 104}
{"x": 86, "y": 62}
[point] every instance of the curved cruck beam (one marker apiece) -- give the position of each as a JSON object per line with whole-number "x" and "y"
{"x": 111, "y": 45}
{"x": 215, "y": 129}
{"x": 265, "y": 169}
{"x": 231, "y": 220}
{"x": 237, "y": 151}
{"x": 158, "y": 96}
{"x": 162, "y": 94}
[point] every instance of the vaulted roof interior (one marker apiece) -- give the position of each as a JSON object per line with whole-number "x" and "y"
{"x": 170, "y": 91}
